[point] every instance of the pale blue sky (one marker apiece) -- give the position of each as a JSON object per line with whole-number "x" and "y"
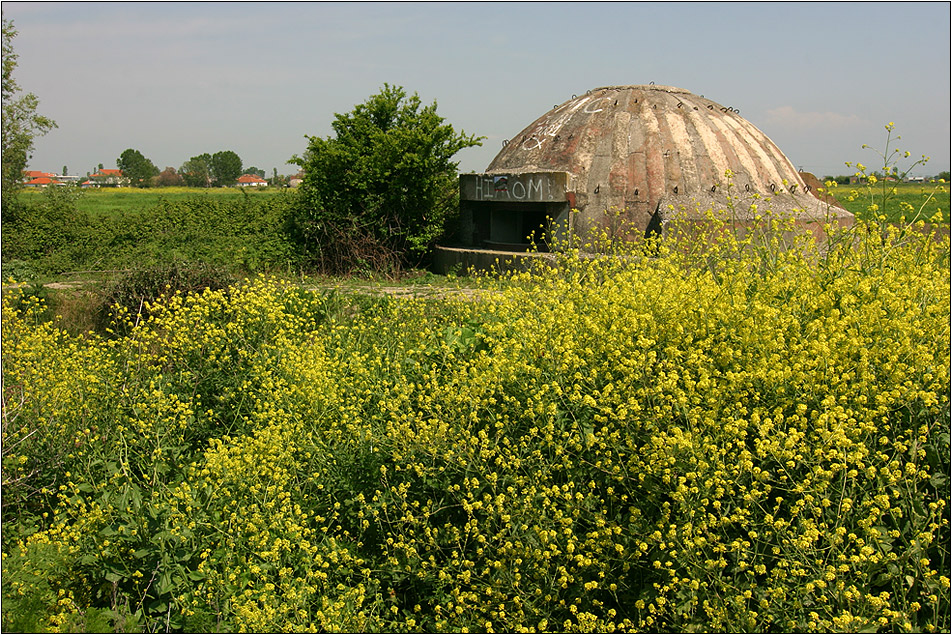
{"x": 173, "y": 80}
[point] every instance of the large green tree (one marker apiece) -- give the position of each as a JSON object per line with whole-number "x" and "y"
{"x": 21, "y": 123}
{"x": 136, "y": 167}
{"x": 225, "y": 168}
{"x": 386, "y": 179}
{"x": 197, "y": 171}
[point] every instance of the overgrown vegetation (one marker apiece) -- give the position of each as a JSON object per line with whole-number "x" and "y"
{"x": 722, "y": 436}
{"x": 246, "y": 233}
{"x": 134, "y": 293}
{"x": 378, "y": 194}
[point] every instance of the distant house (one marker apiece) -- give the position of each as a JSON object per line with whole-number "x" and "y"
{"x": 107, "y": 178}
{"x": 251, "y": 180}
{"x": 35, "y": 178}
{"x": 42, "y": 181}
{"x": 296, "y": 180}
{"x": 29, "y": 175}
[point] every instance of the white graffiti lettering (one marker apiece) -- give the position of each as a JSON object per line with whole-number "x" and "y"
{"x": 535, "y": 185}
{"x": 580, "y": 103}
{"x": 512, "y": 187}
{"x": 485, "y": 189}
{"x": 550, "y": 126}
{"x": 589, "y": 110}
{"x": 532, "y": 143}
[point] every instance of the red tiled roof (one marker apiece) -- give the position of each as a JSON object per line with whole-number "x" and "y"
{"x": 250, "y": 178}
{"x": 108, "y": 172}
{"x": 41, "y": 180}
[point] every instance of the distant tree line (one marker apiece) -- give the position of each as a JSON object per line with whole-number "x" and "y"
{"x": 204, "y": 170}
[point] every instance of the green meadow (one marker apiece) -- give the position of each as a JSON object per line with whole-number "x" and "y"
{"x": 915, "y": 201}
{"x": 107, "y": 201}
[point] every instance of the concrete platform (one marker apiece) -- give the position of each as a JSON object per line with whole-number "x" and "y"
{"x": 459, "y": 260}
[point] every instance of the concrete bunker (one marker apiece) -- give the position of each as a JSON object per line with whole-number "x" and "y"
{"x": 512, "y": 211}
{"x": 646, "y": 153}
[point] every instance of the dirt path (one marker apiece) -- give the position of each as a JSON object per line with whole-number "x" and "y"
{"x": 413, "y": 291}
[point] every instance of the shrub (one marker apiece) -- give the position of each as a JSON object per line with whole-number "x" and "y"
{"x": 250, "y": 235}
{"x": 383, "y": 187}
{"x": 130, "y": 298}
{"x": 50, "y": 234}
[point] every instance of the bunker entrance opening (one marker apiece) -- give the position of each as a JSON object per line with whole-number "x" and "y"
{"x": 518, "y": 226}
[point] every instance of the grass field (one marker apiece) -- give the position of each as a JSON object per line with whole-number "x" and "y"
{"x": 908, "y": 200}
{"x": 924, "y": 196}
{"x": 107, "y": 201}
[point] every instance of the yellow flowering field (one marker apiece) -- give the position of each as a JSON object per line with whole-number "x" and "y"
{"x": 701, "y": 433}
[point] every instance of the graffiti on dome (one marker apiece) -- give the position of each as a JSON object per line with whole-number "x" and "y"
{"x": 525, "y": 187}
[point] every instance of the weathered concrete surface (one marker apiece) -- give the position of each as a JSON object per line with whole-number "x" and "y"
{"x": 642, "y": 149}
{"x": 460, "y": 260}
{"x": 819, "y": 189}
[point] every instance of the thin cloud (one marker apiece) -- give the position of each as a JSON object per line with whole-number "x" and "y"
{"x": 788, "y": 116}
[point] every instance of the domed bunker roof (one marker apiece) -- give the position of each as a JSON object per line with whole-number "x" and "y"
{"x": 640, "y": 150}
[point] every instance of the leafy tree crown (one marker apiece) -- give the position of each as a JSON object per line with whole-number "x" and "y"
{"x": 225, "y": 167}
{"x": 386, "y": 175}
{"x": 136, "y": 167}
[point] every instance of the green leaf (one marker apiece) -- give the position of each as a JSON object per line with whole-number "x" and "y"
{"x": 164, "y": 583}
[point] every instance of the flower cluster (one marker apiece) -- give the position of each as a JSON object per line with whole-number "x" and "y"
{"x": 704, "y": 433}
